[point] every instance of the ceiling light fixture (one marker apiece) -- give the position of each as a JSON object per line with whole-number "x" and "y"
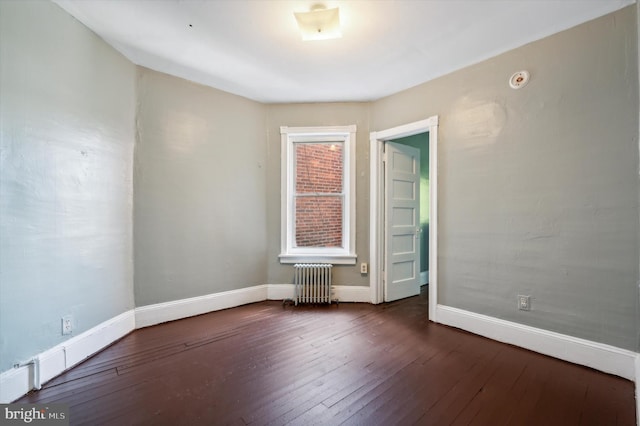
{"x": 319, "y": 23}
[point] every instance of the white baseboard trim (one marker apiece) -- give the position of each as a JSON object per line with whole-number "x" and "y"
{"x": 280, "y": 291}
{"x": 606, "y": 358}
{"x": 424, "y": 277}
{"x": 15, "y": 382}
{"x": 352, "y": 293}
{"x": 177, "y": 309}
{"x": 183, "y": 308}
{"x": 48, "y": 364}
{"x": 341, "y": 293}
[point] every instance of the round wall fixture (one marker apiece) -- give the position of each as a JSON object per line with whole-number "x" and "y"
{"x": 519, "y": 79}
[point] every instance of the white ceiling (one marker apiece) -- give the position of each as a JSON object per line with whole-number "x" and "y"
{"x": 252, "y": 47}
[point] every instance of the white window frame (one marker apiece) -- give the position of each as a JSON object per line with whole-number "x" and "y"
{"x": 289, "y": 253}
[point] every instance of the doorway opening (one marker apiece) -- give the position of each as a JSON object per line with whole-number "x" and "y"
{"x": 378, "y": 203}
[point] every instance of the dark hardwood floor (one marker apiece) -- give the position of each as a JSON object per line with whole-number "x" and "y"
{"x": 353, "y": 364}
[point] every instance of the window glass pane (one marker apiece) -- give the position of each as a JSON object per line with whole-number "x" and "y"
{"x": 319, "y": 221}
{"x": 319, "y": 168}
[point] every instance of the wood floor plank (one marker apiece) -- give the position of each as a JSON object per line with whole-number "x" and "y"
{"x": 352, "y": 364}
{"x": 440, "y": 389}
{"x": 491, "y": 395}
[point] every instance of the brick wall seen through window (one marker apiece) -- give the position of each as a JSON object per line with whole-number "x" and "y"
{"x": 319, "y": 194}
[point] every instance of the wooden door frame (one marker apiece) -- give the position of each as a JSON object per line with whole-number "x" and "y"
{"x": 376, "y": 231}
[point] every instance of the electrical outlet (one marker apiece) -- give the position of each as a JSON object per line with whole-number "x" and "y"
{"x": 364, "y": 268}
{"x": 524, "y": 303}
{"x": 67, "y": 324}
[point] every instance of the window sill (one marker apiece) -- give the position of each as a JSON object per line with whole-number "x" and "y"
{"x": 347, "y": 259}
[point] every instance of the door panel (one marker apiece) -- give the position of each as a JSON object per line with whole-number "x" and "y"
{"x": 402, "y": 227}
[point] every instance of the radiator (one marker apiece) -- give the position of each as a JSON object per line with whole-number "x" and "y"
{"x": 312, "y": 282}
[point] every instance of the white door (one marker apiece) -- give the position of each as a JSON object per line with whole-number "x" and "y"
{"x": 402, "y": 221}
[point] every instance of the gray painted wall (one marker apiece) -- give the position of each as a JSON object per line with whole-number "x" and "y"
{"x": 538, "y": 187}
{"x": 322, "y": 114}
{"x": 200, "y": 188}
{"x": 66, "y": 135}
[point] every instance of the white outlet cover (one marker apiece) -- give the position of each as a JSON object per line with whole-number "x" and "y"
{"x": 67, "y": 324}
{"x": 524, "y": 303}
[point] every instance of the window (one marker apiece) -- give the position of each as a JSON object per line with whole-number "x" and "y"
{"x": 318, "y": 194}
